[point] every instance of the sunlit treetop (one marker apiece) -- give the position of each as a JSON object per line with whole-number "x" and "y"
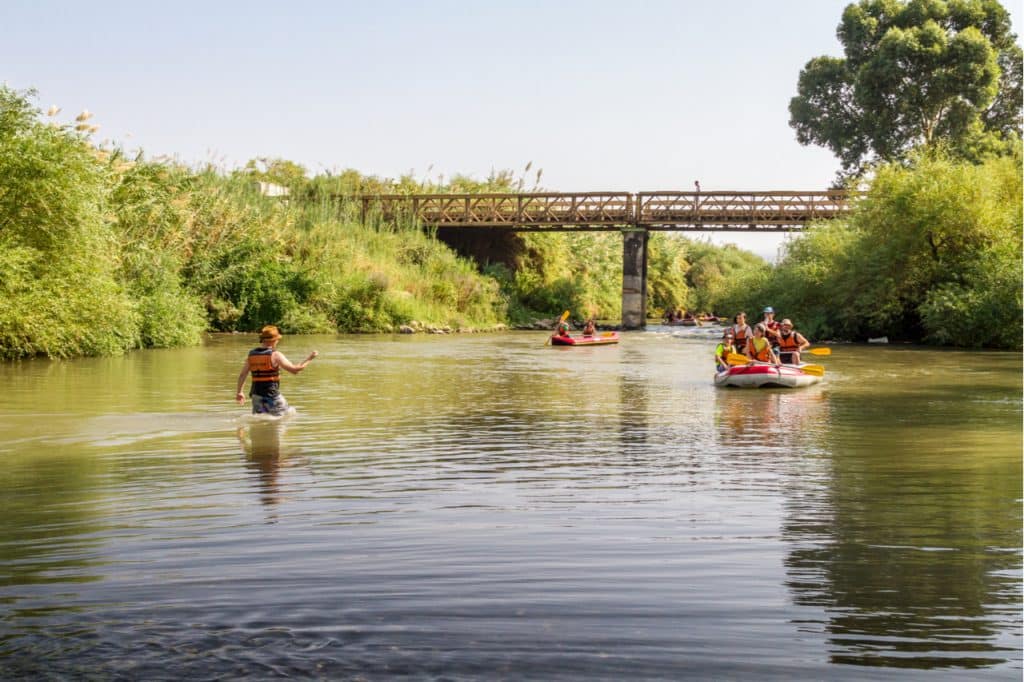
{"x": 915, "y": 73}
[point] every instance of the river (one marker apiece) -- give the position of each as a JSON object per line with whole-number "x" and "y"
{"x": 483, "y": 506}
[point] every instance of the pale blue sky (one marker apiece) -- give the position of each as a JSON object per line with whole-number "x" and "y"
{"x": 601, "y": 95}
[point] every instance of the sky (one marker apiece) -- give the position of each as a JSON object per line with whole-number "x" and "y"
{"x": 601, "y": 95}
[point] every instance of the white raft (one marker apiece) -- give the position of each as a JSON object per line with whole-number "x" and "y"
{"x": 766, "y": 375}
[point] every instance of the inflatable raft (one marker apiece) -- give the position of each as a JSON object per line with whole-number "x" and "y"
{"x": 765, "y": 375}
{"x": 599, "y": 340}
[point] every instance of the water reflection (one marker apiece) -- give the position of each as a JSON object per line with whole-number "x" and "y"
{"x": 912, "y": 551}
{"x": 487, "y": 504}
{"x": 773, "y": 418}
{"x": 263, "y": 442}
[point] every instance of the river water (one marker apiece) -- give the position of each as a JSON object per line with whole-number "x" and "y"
{"x": 485, "y": 507}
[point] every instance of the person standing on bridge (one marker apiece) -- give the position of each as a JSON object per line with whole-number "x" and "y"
{"x": 264, "y": 363}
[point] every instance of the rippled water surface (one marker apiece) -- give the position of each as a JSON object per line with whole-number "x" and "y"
{"x": 484, "y": 507}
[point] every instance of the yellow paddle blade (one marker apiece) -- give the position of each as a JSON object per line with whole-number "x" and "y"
{"x": 565, "y": 316}
{"x": 816, "y": 370}
{"x": 819, "y": 351}
{"x": 607, "y": 333}
{"x": 737, "y": 359}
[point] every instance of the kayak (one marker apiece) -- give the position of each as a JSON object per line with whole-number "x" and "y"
{"x": 600, "y": 340}
{"x": 765, "y": 375}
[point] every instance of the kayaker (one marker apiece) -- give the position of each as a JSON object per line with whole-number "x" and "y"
{"x": 563, "y": 329}
{"x": 759, "y": 348}
{"x": 723, "y": 350}
{"x": 770, "y": 325}
{"x": 265, "y": 363}
{"x": 589, "y": 329}
{"x": 741, "y": 331}
{"x": 791, "y": 342}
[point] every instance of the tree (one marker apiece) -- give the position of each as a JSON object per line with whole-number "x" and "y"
{"x": 915, "y": 73}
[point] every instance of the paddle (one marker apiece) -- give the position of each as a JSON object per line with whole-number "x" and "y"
{"x": 737, "y": 359}
{"x": 565, "y": 316}
{"x": 818, "y": 351}
{"x": 816, "y": 370}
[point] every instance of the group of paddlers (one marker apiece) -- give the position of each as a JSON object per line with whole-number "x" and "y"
{"x": 768, "y": 341}
{"x": 679, "y": 315}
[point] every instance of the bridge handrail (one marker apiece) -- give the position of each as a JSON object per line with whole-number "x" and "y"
{"x": 607, "y": 209}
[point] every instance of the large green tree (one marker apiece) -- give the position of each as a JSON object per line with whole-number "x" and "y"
{"x": 915, "y": 73}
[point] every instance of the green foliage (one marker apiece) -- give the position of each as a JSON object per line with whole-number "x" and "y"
{"x": 667, "y": 267}
{"x": 58, "y": 256}
{"x": 580, "y": 272}
{"x": 914, "y": 73}
{"x": 101, "y": 254}
{"x": 933, "y": 253}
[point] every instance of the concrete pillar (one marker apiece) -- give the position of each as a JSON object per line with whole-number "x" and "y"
{"x": 634, "y": 278}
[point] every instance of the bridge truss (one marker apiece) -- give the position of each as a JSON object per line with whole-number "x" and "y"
{"x": 608, "y": 211}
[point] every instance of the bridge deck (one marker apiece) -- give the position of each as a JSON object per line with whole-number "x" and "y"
{"x": 589, "y": 211}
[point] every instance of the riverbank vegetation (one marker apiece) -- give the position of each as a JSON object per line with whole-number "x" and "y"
{"x": 932, "y": 254}
{"x": 101, "y": 253}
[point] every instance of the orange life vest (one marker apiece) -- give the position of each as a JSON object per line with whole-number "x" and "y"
{"x": 739, "y": 334}
{"x": 789, "y": 344}
{"x": 762, "y": 354}
{"x": 261, "y": 367}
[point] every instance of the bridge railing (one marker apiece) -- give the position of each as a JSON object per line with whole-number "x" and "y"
{"x": 612, "y": 210}
{"x": 506, "y": 210}
{"x": 738, "y": 209}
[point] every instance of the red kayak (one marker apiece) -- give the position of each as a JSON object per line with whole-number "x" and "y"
{"x": 600, "y": 340}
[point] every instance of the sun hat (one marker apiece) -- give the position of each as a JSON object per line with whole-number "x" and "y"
{"x": 269, "y": 333}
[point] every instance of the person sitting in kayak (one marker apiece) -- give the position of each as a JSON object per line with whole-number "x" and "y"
{"x": 771, "y": 327}
{"x": 791, "y": 342}
{"x": 264, "y": 363}
{"x": 563, "y": 329}
{"x": 759, "y": 348}
{"x": 741, "y": 331}
{"x": 589, "y": 329}
{"x": 723, "y": 350}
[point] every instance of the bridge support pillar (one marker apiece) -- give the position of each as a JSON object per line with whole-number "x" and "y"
{"x": 634, "y": 278}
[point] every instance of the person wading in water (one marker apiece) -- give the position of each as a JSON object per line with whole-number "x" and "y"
{"x": 265, "y": 363}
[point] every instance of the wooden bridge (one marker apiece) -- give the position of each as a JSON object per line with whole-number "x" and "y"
{"x": 634, "y": 215}
{"x": 613, "y": 211}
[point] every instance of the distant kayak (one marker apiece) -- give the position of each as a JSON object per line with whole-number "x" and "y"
{"x": 602, "y": 339}
{"x": 765, "y": 375}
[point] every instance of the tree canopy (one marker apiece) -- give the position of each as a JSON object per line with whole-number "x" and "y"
{"x": 915, "y": 73}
